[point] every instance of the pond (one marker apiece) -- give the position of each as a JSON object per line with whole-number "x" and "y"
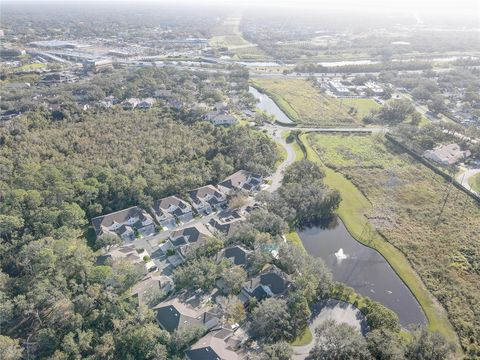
{"x": 361, "y": 268}
{"x": 266, "y": 104}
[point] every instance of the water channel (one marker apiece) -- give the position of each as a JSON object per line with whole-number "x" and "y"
{"x": 268, "y": 105}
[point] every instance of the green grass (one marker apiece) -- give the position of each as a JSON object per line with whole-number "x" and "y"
{"x": 355, "y": 206}
{"x": 28, "y": 67}
{"x": 305, "y": 104}
{"x": 294, "y": 239}
{"x": 289, "y": 138}
{"x": 362, "y": 106}
{"x": 474, "y": 182}
{"x": 228, "y": 35}
{"x": 303, "y": 339}
{"x": 283, "y": 155}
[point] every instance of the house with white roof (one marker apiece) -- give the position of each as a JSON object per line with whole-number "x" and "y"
{"x": 171, "y": 211}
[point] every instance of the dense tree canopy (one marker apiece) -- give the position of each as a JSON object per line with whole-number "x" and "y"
{"x": 55, "y": 176}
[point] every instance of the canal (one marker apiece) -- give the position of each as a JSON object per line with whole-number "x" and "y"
{"x": 268, "y": 105}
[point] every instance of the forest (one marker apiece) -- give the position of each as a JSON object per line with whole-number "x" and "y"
{"x": 56, "y": 175}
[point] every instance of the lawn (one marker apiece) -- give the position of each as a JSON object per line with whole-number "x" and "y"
{"x": 387, "y": 195}
{"x": 28, "y": 67}
{"x": 362, "y": 106}
{"x": 305, "y": 104}
{"x": 474, "y": 182}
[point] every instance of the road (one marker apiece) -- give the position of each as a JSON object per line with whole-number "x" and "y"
{"x": 367, "y": 130}
{"x": 277, "y": 176}
{"x": 463, "y": 179}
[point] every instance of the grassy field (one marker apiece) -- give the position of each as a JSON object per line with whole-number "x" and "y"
{"x": 28, "y": 67}
{"x": 390, "y": 196}
{"x": 362, "y": 106}
{"x": 228, "y": 35}
{"x": 304, "y": 104}
{"x": 474, "y": 182}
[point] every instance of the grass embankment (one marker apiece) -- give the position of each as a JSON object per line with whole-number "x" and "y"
{"x": 404, "y": 199}
{"x": 283, "y": 155}
{"x": 292, "y": 141}
{"x": 474, "y": 182}
{"x": 294, "y": 239}
{"x": 305, "y": 104}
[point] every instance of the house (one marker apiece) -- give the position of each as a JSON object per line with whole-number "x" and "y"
{"x": 151, "y": 285}
{"x": 163, "y": 94}
{"x": 8, "y": 53}
{"x": 129, "y": 253}
{"x": 178, "y": 312}
{"x": 207, "y": 199}
{"x": 241, "y": 180}
{"x": 216, "y": 345}
{"x": 226, "y": 222}
{"x": 125, "y": 223}
{"x": 338, "y": 88}
{"x": 180, "y": 242}
{"x": 209, "y": 116}
{"x": 57, "y": 78}
{"x": 375, "y": 88}
{"x": 237, "y": 254}
{"x": 171, "y": 210}
{"x": 270, "y": 283}
{"x": 447, "y": 154}
{"x": 131, "y": 103}
{"x": 249, "y": 113}
{"x": 146, "y": 103}
{"x": 223, "y": 119}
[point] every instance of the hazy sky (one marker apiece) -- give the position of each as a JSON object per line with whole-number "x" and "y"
{"x": 451, "y": 7}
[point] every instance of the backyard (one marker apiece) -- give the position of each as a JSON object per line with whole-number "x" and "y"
{"x": 305, "y": 104}
{"x": 432, "y": 226}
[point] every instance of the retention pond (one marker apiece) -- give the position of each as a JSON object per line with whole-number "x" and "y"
{"x": 361, "y": 268}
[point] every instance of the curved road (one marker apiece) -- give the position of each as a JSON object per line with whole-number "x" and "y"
{"x": 277, "y": 176}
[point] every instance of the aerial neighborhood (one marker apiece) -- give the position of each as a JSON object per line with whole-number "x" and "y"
{"x": 159, "y": 239}
{"x": 217, "y": 180}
